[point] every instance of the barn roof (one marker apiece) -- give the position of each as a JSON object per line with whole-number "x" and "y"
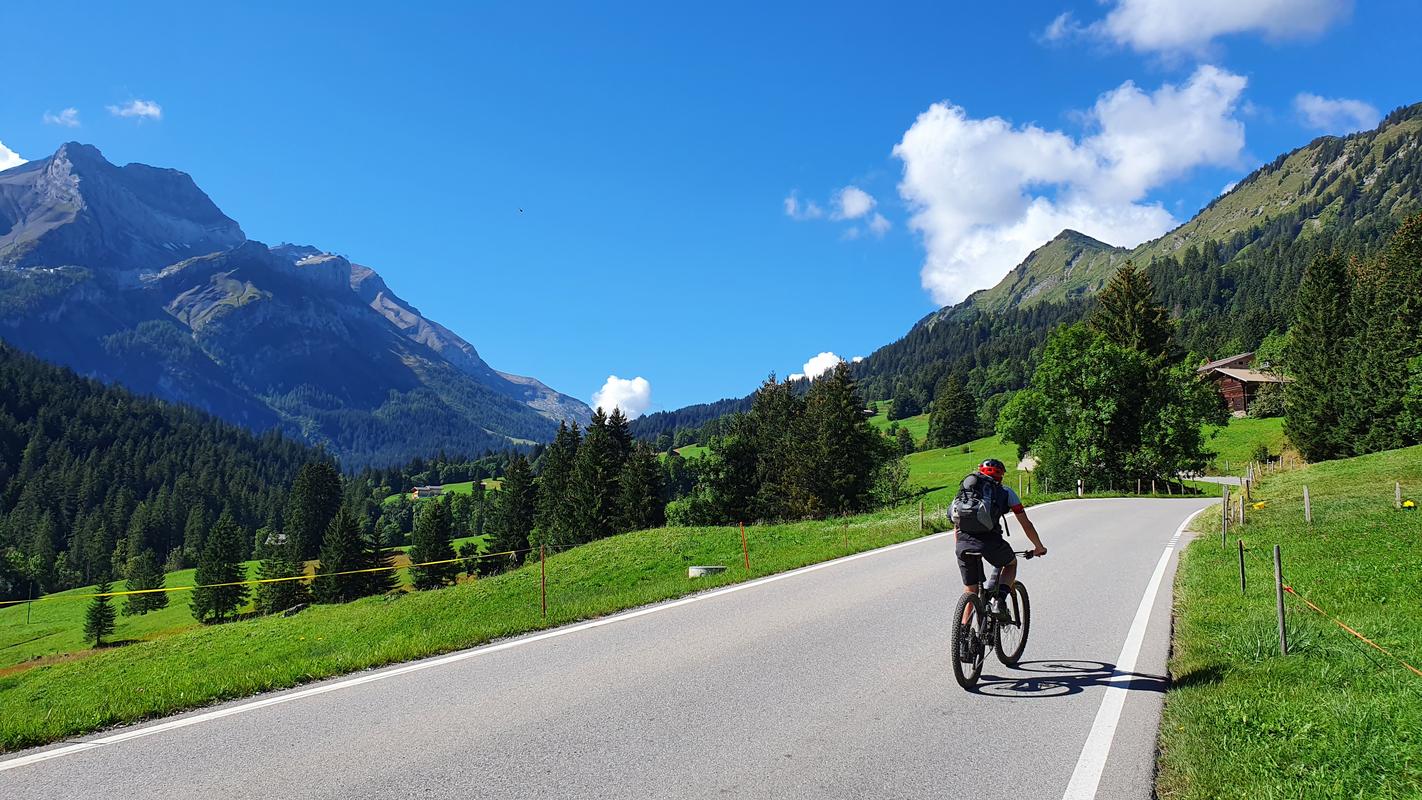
{"x": 1251, "y": 375}
{"x": 1225, "y": 362}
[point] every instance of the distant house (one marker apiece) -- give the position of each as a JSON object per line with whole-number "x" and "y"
{"x": 426, "y": 491}
{"x": 1238, "y": 381}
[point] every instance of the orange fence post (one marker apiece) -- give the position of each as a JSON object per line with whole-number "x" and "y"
{"x": 745, "y": 548}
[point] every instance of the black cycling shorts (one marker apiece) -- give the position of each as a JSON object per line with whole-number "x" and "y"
{"x": 994, "y": 549}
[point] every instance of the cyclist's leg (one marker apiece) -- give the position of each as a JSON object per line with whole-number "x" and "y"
{"x": 971, "y": 568}
{"x": 1001, "y": 556}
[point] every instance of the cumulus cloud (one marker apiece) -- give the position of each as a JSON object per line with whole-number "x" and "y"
{"x": 985, "y": 193}
{"x": 878, "y": 225}
{"x": 796, "y": 210}
{"x": 817, "y": 366}
{"x": 857, "y": 359}
{"x": 1174, "y": 27}
{"x": 853, "y": 203}
{"x": 1336, "y": 114}
{"x": 139, "y": 109}
{"x": 9, "y": 158}
{"x": 632, "y": 395}
{"x": 68, "y": 118}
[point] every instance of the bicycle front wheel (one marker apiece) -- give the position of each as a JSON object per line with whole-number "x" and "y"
{"x": 1012, "y": 633}
{"x": 969, "y": 640}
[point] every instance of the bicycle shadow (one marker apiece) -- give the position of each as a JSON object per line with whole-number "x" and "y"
{"x": 1060, "y": 678}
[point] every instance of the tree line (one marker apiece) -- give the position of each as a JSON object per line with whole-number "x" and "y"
{"x": 93, "y": 477}
{"x": 1354, "y": 352}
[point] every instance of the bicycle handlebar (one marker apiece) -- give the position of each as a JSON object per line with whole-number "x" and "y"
{"x": 1023, "y": 553}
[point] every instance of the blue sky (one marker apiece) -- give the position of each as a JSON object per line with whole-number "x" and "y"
{"x": 708, "y": 194}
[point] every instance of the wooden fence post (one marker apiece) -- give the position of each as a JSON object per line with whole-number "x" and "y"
{"x": 1279, "y": 601}
{"x": 920, "y": 517}
{"x": 1397, "y": 495}
{"x": 1241, "y": 566}
{"x": 1224, "y": 518}
{"x": 1308, "y": 507}
{"x": 543, "y": 570}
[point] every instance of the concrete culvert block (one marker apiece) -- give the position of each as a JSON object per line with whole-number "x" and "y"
{"x": 701, "y": 572}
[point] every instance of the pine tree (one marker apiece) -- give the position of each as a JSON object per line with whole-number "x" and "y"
{"x": 903, "y": 405}
{"x": 1387, "y": 330}
{"x": 553, "y": 521}
{"x": 641, "y": 500}
{"x": 513, "y": 519}
{"x": 1319, "y": 341}
{"x": 620, "y": 430}
{"x": 144, "y": 573}
{"x": 773, "y": 428}
{"x": 904, "y": 441}
{"x": 1129, "y": 314}
{"x": 194, "y": 531}
{"x": 221, "y": 563}
{"x": 430, "y": 542}
{"x": 592, "y": 495}
{"x": 841, "y": 454}
{"x": 954, "y": 417}
{"x": 99, "y": 619}
{"x": 342, "y": 550}
{"x": 314, "y": 500}
{"x": 279, "y": 561}
{"x": 381, "y": 554}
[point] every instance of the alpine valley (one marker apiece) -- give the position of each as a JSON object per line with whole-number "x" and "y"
{"x": 132, "y": 274}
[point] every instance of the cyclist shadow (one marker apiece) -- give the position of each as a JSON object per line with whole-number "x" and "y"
{"x": 1060, "y": 678}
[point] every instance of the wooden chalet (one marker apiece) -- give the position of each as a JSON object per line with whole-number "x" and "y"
{"x": 1238, "y": 381}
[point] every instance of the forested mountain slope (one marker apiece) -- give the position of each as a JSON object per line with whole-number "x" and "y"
{"x": 86, "y": 469}
{"x": 1228, "y": 275}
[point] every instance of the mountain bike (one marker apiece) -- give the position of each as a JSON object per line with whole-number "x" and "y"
{"x": 984, "y": 630}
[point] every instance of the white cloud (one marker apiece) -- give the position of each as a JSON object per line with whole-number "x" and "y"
{"x": 68, "y": 118}
{"x": 1174, "y": 27}
{"x": 142, "y": 109}
{"x": 1336, "y": 114}
{"x": 9, "y": 159}
{"x": 1229, "y": 187}
{"x": 848, "y": 204}
{"x": 817, "y": 366}
{"x": 633, "y": 396}
{"x": 794, "y": 209}
{"x": 853, "y": 203}
{"x": 857, "y": 359}
{"x": 985, "y": 193}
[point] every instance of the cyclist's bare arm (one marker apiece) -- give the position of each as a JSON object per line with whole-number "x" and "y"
{"x": 1031, "y": 531}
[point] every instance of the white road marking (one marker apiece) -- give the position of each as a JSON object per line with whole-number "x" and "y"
{"x": 1087, "y": 776}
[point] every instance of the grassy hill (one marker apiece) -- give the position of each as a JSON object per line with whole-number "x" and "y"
{"x": 1236, "y": 442}
{"x": 1334, "y": 718}
{"x": 917, "y": 426}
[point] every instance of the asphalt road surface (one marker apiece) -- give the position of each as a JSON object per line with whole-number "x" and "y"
{"x": 832, "y": 682}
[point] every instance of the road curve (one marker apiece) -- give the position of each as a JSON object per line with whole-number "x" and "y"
{"x": 828, "y": 683}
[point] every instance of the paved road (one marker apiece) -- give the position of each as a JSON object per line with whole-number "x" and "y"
{"x": 829, "y": 683}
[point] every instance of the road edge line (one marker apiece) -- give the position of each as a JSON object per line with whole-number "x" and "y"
{"x": 1086, "y": 777}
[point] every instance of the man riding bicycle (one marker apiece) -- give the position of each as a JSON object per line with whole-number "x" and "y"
{"x": 980, "y": 536}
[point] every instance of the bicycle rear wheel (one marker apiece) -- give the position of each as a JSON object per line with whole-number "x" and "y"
{"x": 1012, "y": 634}
{"x": 969, "y": 640}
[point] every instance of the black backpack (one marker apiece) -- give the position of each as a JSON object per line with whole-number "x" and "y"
{"x": 980, "y": 503}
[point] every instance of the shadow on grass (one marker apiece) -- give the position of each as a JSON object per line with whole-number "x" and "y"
{"x": 1060, "y": 678}
{"x": 1214, "y": 673}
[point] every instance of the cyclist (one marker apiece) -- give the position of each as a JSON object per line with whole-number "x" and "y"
{"x": 987, "y": 484}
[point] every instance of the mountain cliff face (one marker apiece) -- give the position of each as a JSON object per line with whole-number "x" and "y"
{"x": 132, "y": 274}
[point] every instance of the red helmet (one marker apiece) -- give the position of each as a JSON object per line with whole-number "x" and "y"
{"x": 993, "y": 469}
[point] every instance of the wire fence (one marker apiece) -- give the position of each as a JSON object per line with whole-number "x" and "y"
{"x": 1286, "y": 588}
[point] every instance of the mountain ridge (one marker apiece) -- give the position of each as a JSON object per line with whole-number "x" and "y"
{"x": 132, "y": 274}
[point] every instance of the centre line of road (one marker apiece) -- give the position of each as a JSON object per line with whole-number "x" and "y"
{"x": 1087, "y": 776}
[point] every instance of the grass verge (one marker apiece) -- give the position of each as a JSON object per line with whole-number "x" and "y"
{"x": 1333, "y": 718}
{"x": 195, "y": 667}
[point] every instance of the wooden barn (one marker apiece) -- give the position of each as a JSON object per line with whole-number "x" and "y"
{"x": 1237, "y": 380}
